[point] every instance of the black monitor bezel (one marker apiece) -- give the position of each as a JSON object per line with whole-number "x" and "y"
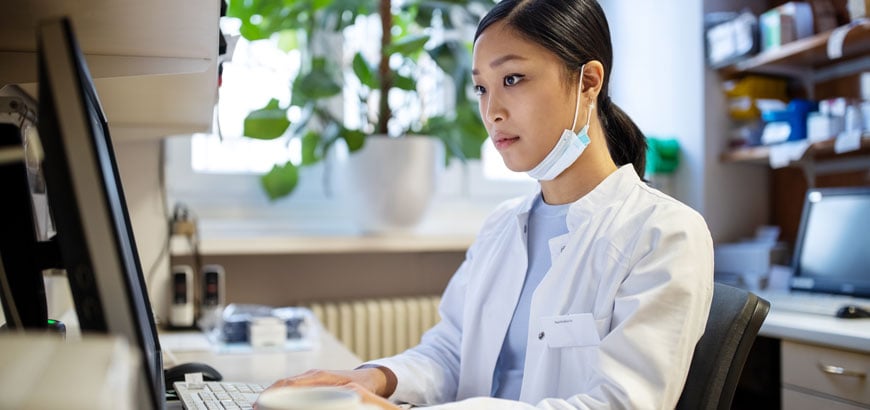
{"x": 88, "y": 205}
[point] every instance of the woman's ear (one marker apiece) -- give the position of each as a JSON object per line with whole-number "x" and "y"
{"x": 593, "y": 79}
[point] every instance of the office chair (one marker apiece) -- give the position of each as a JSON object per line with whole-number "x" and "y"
{"x": 735, "y": 317}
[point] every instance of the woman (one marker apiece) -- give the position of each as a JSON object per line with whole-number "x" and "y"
{"x": 591, "y": 293}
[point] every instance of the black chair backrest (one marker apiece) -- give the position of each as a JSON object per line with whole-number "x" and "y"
{"x": 735, "y": 317}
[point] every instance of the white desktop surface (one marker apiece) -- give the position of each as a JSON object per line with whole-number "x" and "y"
{"x": 262, "y": 367}
{"x": 852, "y": 334}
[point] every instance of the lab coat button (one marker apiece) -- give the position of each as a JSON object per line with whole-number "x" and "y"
{"x": 525, "y": 228}
{"x": 562, "y": 249}
{"x": 541, "y": 336}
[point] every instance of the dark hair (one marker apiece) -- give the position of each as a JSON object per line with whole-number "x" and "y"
{"x": 577, "y": 32}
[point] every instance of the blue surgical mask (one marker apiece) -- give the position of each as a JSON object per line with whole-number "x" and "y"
{"x": 568, "y": 148}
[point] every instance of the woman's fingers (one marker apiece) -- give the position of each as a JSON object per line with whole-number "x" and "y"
{"x": 370, "y": 398}
{"x": 314, "y": 378}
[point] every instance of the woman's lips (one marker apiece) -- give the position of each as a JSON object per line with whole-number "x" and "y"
{"x": 503, "y": 141}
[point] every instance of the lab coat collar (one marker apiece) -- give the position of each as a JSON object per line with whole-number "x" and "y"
{"x": 615, "y": 188}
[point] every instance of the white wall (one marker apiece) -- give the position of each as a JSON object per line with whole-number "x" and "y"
{"x": 660, "y": 79}
{"x": 139, "y": 164}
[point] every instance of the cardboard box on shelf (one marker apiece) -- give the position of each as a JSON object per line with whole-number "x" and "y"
{"x": 786, "y": 23}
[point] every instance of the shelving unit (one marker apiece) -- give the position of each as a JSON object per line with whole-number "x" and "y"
{"x": 761, "y": 154}
{"x": 810, "y": 52}
{"x": 806, "y": 60}
{"x": 154, "y": 63}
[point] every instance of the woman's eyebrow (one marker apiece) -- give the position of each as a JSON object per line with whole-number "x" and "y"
{"x": 499, "y": 61}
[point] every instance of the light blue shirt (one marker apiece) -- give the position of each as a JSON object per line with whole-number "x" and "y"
{"x": 545, "y": 222}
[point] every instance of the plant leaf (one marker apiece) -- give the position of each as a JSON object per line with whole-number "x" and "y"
{"x": 471, "y": 131}
{"x": 267, "y": 123}
{"x": 353, "y": 138}
{"x": 404, "y": 83}
{"x": 280, "y": 181}
{"x": 316, "y": 84}
{"x": 409, "y": 44}
{"x": 310, "y": 153}
{"x": 252, "y": 32}
{"x": 288, "y": 40}
{"x": 364, "y": 72}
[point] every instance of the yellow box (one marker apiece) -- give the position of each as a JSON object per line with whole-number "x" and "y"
{"x": 743, "y": 93}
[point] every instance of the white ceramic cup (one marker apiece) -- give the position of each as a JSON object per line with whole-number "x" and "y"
{"x": 310, "y": 398}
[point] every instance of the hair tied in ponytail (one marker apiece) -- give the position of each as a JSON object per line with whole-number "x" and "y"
{"x": 605, "y": 103}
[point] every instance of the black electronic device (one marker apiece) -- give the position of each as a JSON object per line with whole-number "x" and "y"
{"x": 86, "y": 198}
{"x": 831, "y": 253}
{"x": 176, "y": 373}
{"x": 22, "y": 289}
{"x": 181, "y": 313}
{"x": 213, "y": 287}
{"x": 853, "y": 312}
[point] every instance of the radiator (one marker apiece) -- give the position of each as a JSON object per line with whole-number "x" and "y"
{"x": 375, "y": 328}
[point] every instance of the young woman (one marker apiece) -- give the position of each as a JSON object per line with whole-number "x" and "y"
{"x": 591, "y": 293}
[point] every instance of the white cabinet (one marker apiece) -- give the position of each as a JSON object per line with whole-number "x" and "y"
{"x": 154, "y": 62}
{"x": 820, "y": 377}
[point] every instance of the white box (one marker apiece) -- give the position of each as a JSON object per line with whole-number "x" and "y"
{"x": 267, "y": 332}
{"x": 865, "y": 86}
{"x": 747, "y": 264}
{"x": 821, "y": 127}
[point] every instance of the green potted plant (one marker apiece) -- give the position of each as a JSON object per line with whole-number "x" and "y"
{"x": 308, "y": 24}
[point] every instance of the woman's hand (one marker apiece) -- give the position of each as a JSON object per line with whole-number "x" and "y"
{"x": 371, "y": 380}
{"x": 372, "y": 399}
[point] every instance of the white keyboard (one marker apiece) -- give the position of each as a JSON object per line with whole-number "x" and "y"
{"x": 811, "y": 303}
{"x": 218, "y": 395}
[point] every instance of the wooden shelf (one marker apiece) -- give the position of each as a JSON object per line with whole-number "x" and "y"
{"x": 810, "y": 52}
{"x": 761, "y": 154}
{"x": 154, "y": 63}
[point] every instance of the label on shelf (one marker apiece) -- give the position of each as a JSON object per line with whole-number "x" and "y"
{"x": 783, "y": 154}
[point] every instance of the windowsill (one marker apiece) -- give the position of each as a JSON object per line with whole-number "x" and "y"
{"x": 448, "y": 227}
{"x": 326, "y": 244}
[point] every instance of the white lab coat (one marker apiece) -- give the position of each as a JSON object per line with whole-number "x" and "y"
{"x": 613, "y": 324}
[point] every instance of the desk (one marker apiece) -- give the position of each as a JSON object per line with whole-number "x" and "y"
{"x": 808, "y": 343}
{"x": 263, "y": 367}
{"x": 850, "y": 334}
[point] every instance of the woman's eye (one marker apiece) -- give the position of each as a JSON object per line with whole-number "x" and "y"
{"x": 512, "y": 80}
{"x": 479, "y": 90}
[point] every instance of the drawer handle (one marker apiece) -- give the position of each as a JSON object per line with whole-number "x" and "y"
{"x": 841, "y": 371}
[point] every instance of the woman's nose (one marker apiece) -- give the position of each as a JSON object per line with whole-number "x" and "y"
{"x": 494, "y": 110}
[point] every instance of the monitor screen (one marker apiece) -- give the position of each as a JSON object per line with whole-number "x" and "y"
{"x": 832, "y": 254}
{"x": 86, "y": 198}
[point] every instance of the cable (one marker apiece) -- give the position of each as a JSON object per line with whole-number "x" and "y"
{"x": 164, "y": 248}
{"x": 184, "y": 222}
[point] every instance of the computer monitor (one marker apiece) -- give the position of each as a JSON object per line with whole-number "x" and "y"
{"x": 832, "y": 253}
{"x": 86, "y": 198}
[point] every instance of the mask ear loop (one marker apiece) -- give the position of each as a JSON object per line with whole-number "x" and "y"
{"x": 577, "y": 103}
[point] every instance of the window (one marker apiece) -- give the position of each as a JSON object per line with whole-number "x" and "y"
{"x": 217, "y": 174}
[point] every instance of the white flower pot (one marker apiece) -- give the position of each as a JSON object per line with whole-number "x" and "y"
{"x": 388, "y": 184}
